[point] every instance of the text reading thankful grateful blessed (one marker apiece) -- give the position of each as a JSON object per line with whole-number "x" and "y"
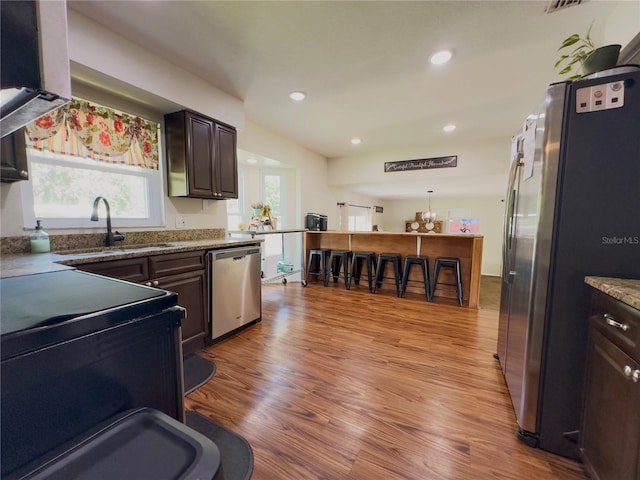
{"x": 438, "y": 162}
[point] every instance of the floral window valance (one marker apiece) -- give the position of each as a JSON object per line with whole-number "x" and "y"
{"x": 90, "y": 131}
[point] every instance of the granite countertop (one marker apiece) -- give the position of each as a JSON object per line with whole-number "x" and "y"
{"x": 404, "y": 234}
{"x": 625, "y": 290}
{"x": 17, "y": 264}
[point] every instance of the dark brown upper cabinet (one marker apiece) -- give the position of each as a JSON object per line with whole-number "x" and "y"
{"x": 13, "y": 159}
{"x": 201, "y": 157}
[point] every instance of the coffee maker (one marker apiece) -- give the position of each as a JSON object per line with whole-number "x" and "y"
{"x": 315, "y": 221}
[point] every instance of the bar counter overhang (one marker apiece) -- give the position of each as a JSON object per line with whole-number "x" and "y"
{"x": 466, "y": 247}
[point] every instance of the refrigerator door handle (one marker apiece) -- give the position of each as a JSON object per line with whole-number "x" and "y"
{"x": 510, "y": 220}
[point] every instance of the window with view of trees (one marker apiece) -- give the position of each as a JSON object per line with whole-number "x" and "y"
{"x": 272, "y": 185}
{"x": 84, "y": 150}
{"x": 235, "y": 206}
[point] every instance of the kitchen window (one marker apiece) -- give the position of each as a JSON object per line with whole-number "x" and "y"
{"x": 273, "y": 187}
{"x": 354, "y": 218}
{"x": 84, "y": 150}
{"x": 235, "y": 206}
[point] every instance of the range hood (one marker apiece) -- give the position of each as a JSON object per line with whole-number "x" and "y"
{"x": 34, "y": 70}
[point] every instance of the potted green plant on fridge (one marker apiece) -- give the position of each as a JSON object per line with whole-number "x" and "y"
{"x": 585, "y": 57}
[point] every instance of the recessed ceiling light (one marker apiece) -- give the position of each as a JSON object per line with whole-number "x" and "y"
{"x": 356, "y": 141}
{"x": 252, "y": 160}
{"x": 442, "y": 57}
{"x": 297, "y": 96}
{"x": 449, "y": 128}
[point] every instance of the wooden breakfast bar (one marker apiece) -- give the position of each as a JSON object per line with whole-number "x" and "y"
{"x": 466, "y": 247}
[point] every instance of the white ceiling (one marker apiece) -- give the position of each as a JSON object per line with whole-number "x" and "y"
{"x": 363, "y": 64}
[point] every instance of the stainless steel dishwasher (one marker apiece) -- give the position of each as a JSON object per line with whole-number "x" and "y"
{"x": 235, "y": 288}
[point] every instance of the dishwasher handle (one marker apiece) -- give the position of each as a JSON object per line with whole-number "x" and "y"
{"x": 232, "y": 253}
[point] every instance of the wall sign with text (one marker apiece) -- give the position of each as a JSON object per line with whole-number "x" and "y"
{"x": 421, "y": 164}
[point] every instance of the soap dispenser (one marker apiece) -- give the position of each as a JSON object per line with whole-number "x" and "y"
{"x": 40, "y": 240}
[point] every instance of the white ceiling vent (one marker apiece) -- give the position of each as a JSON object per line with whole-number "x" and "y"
{"x": 555, "y": 5}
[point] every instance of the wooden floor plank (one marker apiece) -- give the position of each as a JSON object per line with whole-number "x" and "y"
{"x": 337, "y": 384}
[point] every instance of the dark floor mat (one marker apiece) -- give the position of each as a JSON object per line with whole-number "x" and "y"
{"x": 197, "y": 372}
{"x": 235, "y": 452}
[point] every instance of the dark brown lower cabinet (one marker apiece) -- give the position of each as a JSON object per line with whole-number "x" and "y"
{"x": 183, "y": 273}
{"x": 130, "y": 269}
{"x": 610, "y": 436}
{"x": 191, "y": 288}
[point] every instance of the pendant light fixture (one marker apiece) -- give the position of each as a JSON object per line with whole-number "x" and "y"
{"x": 429, "y": 216}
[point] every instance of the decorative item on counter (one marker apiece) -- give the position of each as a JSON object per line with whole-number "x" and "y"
{"x": 40, "y": 240}
{"x": 242, "y": 226}
{"x": 255, "y": 223}
{"x": 586, "y": 57}
{"x": 429, "y": 216}
{"x": 257, "y": 208}
{"x": 464, "y": 225}
{"x": 266, "y": 211}
{"x": 417, "y": 225}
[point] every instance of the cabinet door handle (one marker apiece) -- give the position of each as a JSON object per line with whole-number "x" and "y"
{"x": 155, "y": 283}
{"x": 23, "y": 173}
{"x": 612, "y": 321}
{"x": 631, "y": 373}
{"x": 147, "y": 284}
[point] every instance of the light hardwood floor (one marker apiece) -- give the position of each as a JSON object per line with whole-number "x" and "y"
{"x": 337, "y": 384}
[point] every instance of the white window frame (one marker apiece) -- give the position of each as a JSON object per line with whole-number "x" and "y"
{"x": 241, "y": 201}
{"x": 356, "y": 211}
{"x": 282, "y": 214}
{"x": 273, "y": 245}
{"x": 155, "y": 196}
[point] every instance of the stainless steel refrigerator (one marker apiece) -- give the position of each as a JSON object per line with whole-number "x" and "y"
{"x": 572, "y": 209}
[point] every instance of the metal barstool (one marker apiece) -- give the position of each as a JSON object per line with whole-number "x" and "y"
{"x": 320, "y": 255}
{"x": 337, "y": 259}
{"x": 383, "y": 258}
{"x": 450, "y": 263}
{"x": 423, "y": 263}
{"x": 356, "y": 267}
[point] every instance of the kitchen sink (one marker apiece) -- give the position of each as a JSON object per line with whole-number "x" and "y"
{"x": 115, "y": 249}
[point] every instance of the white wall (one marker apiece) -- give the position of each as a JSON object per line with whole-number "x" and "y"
{"x": 105, "y": 59}
{"x": 11, "y": 210}
{"x": 489, "y": 209}
{"x": 311, "y": 187}
{"x": 346, "y": 196}
{"x": 101, "y": 50}
{"x": 622, "y": 24}
{"x": 483, "y": 165}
